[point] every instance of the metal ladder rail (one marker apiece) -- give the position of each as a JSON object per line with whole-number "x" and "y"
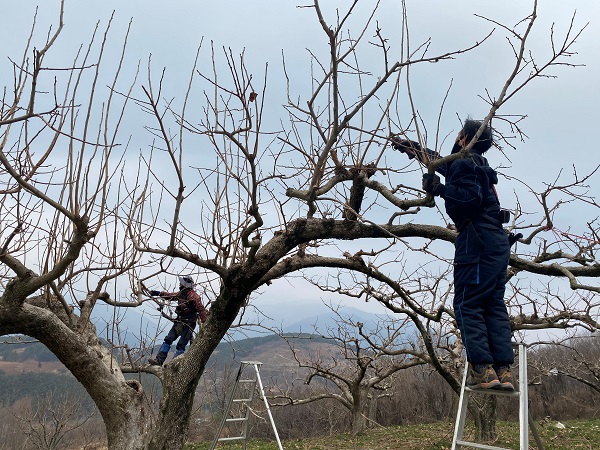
{"x": 250, "y": 384}
{"x": 250, "y": 387}
{"x": 525, "y": 420}
{"x": 262, "y": 393}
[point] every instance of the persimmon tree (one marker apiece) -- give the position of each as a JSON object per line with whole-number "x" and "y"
{"x": 358, "y": 360}
{"x": 574, "y": 357}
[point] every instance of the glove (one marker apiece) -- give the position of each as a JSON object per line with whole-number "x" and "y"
{"x": 512, "y": 238}
{"x": 155, "y": 293}
{"x": 432, "y": 184}
{"x": 404, "y": 146}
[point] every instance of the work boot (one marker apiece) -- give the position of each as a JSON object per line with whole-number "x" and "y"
{"x": 483, "y": 378}
{"x": 505, "y": 378}
{"x": 160, "y": 356}
{"x": 159, "y": 360}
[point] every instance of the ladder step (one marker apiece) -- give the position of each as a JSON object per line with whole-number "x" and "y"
{"x": 514, "y": 393}
{"x": 246, "y": 381}
{"x": 481, "y": 446}
{"x": 234, "y": 438}
{"x": 236, "y": 419}
{"x": 239, "y": 400}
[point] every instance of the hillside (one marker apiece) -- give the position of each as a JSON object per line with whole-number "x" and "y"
{"x": 29, "y": 369}
{"x": 272, "y": 351}
{"x": 21, "y": 354}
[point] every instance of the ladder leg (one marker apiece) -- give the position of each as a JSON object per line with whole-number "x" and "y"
{"x": 523, "y": 399}
{"x": 536, "y": 435}
{"x": 262, "y": 392}
{"x": 247, "y": 396}
{"x": 227, "y": 409}
{"x": 246, "y": 409}
{"x": 462, "y": 411}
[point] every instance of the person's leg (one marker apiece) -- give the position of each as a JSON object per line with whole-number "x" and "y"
{"x": 186, "y": 336}
{"x": 498, "y": 324}
{"x": 165, "y": 347}
{"x": 479, "y": 307}
{"x": 470, "y": 286}
{"x": 496, "y": 314}
{"x": 498, "y": 321}
{"x": 469, "y": 309}
{"x": 469, "y": 316}
{"x": 470, "y": 301}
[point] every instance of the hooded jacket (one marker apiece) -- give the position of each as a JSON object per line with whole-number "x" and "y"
{"x": 469, "y": 192}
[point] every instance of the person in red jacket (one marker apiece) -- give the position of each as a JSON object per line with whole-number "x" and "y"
{"x": 189, "y": 308}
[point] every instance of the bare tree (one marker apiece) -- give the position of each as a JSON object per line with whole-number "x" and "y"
{"x": 576, "y": 358}
{"x": 225, "y": 195}
{"x": 359, "y": 373}
{"x": 49, "y": 422}
{"x": 60, "y": 239}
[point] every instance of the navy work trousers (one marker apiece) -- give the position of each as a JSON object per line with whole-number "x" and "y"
{"x": 480, "y": 264}
{"x": 183, "y": 330}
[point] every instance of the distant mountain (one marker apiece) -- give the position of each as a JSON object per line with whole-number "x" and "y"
{"x": 328, "y": 319}
{"x": 20, "y": 355}
{"x": 312, "y": 321}
{"x": 311, "y": 318}
{"x": 133, "y": 325}
{"x": 266, "y": 349}
{"x": 264, "y": 319}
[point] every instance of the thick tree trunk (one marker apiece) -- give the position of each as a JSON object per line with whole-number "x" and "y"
{"x": 179, "y": 384}
{"x": 372, "y": 411}
{"x": 488, "y": 418}
{"x": 359, "y": 419}
{"x": 181, "y": 376}
{"x": 127, "y": 424}
{"x": 126, "y": 414}
{"x": 484, "y": 411}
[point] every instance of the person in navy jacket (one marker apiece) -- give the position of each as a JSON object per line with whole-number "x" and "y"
{"x": 482, "y": 249}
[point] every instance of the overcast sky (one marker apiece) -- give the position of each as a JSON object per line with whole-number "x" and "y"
{"x": 562, "y": 113}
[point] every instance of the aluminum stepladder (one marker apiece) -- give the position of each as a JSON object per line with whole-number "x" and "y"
{"x": 525, "y": 420}
{"x": 242, "y": 396}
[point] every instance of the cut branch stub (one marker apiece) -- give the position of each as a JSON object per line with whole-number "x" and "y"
{"x": 357, "y": 191}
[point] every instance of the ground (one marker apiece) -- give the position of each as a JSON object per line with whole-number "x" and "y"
{"x": 576, "y": 435}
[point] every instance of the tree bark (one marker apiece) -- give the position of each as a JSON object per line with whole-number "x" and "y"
{"x": 181, "y": 377}
{"x": 126, "y": 414}
{"x": 372, "y": 408}
{"x": 486, "y": 406}
{"x": 359, "y": 420}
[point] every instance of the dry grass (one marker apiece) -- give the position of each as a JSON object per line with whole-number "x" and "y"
{"x": 577, "y": 435}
